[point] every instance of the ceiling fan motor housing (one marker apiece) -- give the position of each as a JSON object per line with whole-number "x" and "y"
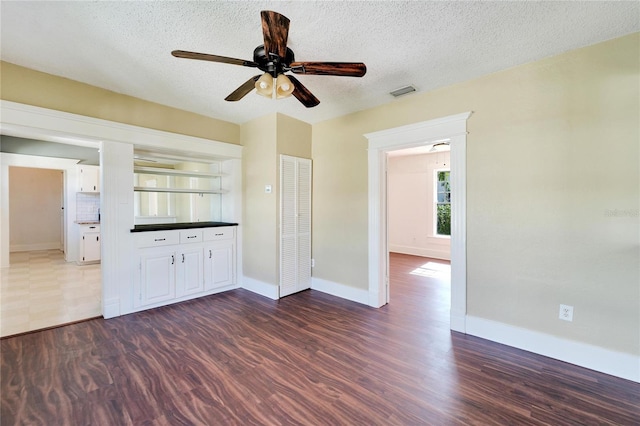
{"x": 272, "y": 63}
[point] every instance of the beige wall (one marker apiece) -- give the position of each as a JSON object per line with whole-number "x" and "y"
{"x": 35, "y": 202}
{"x": 259, "y": 168}
{"x": 552, "y": 184}
{"x": 31, "y": 87}
{"x": 293, "y": 137}
{"x": 264, "y": 139}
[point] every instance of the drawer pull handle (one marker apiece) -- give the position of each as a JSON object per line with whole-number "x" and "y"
{"x": 173, "y": 259}
{"x": 218, "y": 235}
{"x": 159, "y": 239}
{"x": 192, "y": 236}
{"x": 92, "y": 227}
{"x": 209, "y": 254}
{"x": 182, "y": 257}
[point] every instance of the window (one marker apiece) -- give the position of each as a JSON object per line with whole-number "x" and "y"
{"x": 443, "y": 203}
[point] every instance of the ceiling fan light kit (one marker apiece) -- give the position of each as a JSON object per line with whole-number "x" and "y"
{"x": 275, "y": 59}
{"x": 264, "y": 85}
{"x": 439, "y": 147}
{"x": 284, "y": 87}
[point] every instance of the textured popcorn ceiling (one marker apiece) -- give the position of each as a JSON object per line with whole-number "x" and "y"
{"x": 125, "y": 46}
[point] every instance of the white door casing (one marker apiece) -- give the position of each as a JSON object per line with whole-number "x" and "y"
{"x": 454, "y": 130}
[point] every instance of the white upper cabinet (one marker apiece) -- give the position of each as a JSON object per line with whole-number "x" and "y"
{"x": 88, "y": 179}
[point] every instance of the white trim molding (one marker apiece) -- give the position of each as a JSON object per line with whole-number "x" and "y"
{"x": 618, "y": 364}
{"x": 340, "y": 290}
{"x": 420, "y": 251}
{"x": 56, "y": 126}
{"x": 260, "y": 287}
{"x": 454, "y": 130}
{"x": 52, "y": 245}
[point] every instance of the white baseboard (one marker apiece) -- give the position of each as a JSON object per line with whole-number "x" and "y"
{"x": 457, "y": 321}
{"x": 35, "y": 247}
{"x": 619, "y": 364}
{"x": 420, "y": 251}
{"x": 111, "y": 308}
{"x": 340, "y": 290}
{"x": 260, "y": 287}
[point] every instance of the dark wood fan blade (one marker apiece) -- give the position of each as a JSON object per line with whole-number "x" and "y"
{"x": 212, "y": 58}
{"x": 242, "y": 91}
{"x": 275, "y": 29}
{"x": 303, "y": 94}
{"x": 346, "y": 69}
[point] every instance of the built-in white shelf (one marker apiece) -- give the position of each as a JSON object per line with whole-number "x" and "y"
{"x": 179, "y": 190}
{"x": 174, "y": 172}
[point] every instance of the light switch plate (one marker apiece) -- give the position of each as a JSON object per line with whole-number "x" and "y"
{"x": 267, "y": 189}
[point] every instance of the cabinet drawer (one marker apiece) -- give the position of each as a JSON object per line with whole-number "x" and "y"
{"x": 219, "y": 233}
{"x": 190, "y": 236}
{"x": 156, "y": 239}
{"x": 89, "y": 228}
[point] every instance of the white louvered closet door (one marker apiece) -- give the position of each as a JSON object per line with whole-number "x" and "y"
{"x": 295, "y": 224}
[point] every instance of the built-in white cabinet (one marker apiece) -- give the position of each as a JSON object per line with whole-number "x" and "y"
{"x": 188, "y": 192}
{"x": 190, "y": 267}
{"x": 176, "y": 265}
{"x": 89, "y": 247}
{"x": 220, "y": 252}
{"x": 157, "y": 280}
{"x": 88, "y": 179}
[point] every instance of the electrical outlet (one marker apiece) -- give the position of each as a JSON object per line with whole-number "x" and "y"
{"x": 566, "y": 313}
{"x": 313, "y": 263}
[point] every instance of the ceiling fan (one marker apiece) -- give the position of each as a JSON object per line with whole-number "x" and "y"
{"x": 274, "y": 58}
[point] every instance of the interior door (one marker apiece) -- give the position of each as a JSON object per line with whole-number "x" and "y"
{"x": 295, "y": 225}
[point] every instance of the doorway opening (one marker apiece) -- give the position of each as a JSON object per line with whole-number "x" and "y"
{"x": 43, "y": 286}
{"x": 451, "y": 129}
{"x": 419, "y": 221}
{"x": 36, "y": 209}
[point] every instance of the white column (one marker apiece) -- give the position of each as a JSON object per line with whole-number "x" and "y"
{"x": 4, "y": 213}
{"x": 116, "y": 200}
{"x": 458, "y": 160}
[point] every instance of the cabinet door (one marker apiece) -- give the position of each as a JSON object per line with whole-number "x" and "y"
{"x": 219, "y": 265}
{"x": 88, "y": 179}
{"x": 190, "y": 272}
{"x": 90, "y": 246}
{"x": 157, "y": 281}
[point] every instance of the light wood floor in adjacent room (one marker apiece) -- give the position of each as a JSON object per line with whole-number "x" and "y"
{"x": 237, "y": 358}
{"x": 40, "y": 290}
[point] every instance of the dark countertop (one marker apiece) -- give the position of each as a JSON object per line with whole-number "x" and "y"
{"x": 184, "y": 225}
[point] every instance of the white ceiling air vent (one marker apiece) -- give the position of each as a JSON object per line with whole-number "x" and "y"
{"x": 402, "y": 91}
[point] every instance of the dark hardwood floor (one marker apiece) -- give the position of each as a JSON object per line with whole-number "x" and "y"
{"x": 309, "y": 359}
